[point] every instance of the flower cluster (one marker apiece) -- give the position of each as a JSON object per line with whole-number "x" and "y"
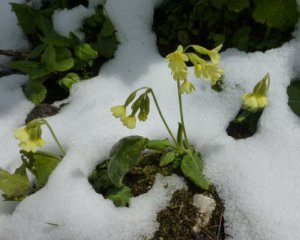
{"x": 30, "y": 136}
{"x": 257, "y": 100}
{"x": 142, "y": 104}
{"x": 210, "y": 71}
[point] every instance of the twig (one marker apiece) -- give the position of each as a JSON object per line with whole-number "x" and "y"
{"x": 13, "y": 53}
{"x": 219, "y": 228}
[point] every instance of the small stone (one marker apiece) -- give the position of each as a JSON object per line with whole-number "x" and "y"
{"x": 206, "y": 206}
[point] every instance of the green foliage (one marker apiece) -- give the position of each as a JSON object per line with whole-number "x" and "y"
{"x": 248, "y": 25}
{"x": 16, "y": 186}
{"x": 293, "y": 92}
{"x": 167, "y": 158}
{"x": 159, "y": 145}
{"x": 121, "y": 197}
{"x": 192, "y": 167}
{"x": 125, "y": 155}
{"x": 60, "y": 60}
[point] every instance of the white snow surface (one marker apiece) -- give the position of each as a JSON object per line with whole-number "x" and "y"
{"x": 257, "y": 177}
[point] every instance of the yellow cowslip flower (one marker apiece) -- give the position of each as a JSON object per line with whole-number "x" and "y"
{"x": 118, "y": 111}
{"x": 198, "y": 69}
{"x": 211, "y": 72}
{"x": 30, "y": 137}
{"x": 129, "y": 121}
{"x": 177, "y": 63}
{"x": 213, "y": 54}
{"x": 186, "y": 87}
{"x": 253, "y": 102}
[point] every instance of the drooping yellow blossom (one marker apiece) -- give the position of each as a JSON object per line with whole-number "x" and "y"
{"x": 186, "y": 87}
{"x": 30, "y": 137}
{"x": 253, "y": 102}
{"x": 211, "y": 72}
{"x": 198, "y": 69}
{"x": 177, "y": 63}
{"x": 129, "y": 121}
{"x": 213, "y": 54}
{"x": 118, "y": 111}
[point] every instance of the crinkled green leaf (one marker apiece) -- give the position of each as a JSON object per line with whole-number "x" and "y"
{"x": 56, "y": 40}
{"x": 48, "y": 58}
{"x": 35, "y": 91}
{"x": 167, "y": 158}
{"x": 107, "y": 29}
{"x": 276, "y": 13}
{"x": 85, "y": 52}
{"x": 121, "y": 197}
{"x": 14, "y": 186}
{"x": 33, "y": 69}
{"x": 37, "y": 51}
{"x": 192, "y": 167}
{"x": 159, "y": 145}
{"x": 124, "y": 156}
{"x": 107, "y": 45}
{"x": 64, "y": 60}
{"x": 237, "y": 5}
{"x": 41, "y": 164}
{"x": 69, "y": 80}
{"x": 293, "y": 92}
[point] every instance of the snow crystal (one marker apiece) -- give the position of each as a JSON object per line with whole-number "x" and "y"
{"x": 257, "y": 177}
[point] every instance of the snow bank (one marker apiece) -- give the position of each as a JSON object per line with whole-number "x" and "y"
{"x": 258, "y": 177}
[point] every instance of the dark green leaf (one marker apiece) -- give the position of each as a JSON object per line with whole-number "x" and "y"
{"x": 121, "y": 197}
{"x": 240, "y": 38}
{"x": 159, "y": 145}
{"x": 276, "y": 13}
{"x": 107, "y": 45}
{"x": 33, "y": 69}
{"x": 192, "y": 168}
{"x": 35, "y": 91}
{"x": 14, "y": 186}
{"x": 56, "y": 40}
{"x": 293, "y": 92}
{"x": 107, "y": 29}
{"x": 41, "y": 164}
{"x": 237, "y": 5}
{"x": 37, "y": 51}
{"x": 48, "y": 58}
{"x": 125, "y": 155}
{"x": 167, "y": 158}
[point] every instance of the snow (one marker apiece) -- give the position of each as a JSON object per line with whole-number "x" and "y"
{"x": 257, "y": 177}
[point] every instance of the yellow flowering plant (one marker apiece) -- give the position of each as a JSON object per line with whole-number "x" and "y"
{"x": 176, "y": 152}
{"x": 17, "y": 186}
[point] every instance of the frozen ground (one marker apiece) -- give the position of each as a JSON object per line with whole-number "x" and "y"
{"x": 257, "y": 177}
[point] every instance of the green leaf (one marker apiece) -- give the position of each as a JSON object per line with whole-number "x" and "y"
{"x": 107, "y": 29}
{"x": 124, "y": 156}
{"x": 14, "y": 186}
{"x": 276, "y": 13}
{"x": 56, "y": 40}
{"x": 167, "y": 158}
{"x": 85, "y": 52}
{"x": 240, "y": 38}
{"x": 49, "y": 58}
{"x": 69, "y": 80}
{"x": 192, "y": 168}
{"x": 64, "y": 60}
{"x": 37, "y": 51}
{"x": 33, "y": 69}
{"x": 121, "y": 197}
{"x": 237, "y": 5}
{"x": 107, "y": 45}
{"x": 159, "y": 145}
{"x": 35, "y": 91}
{"x": 293, "y": 92}
{"x": 41, "y": 164}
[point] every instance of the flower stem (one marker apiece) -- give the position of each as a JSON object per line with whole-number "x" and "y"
{"x": 181, "y": 114}
{"x": 161, "y": 115}
{"x": 55, "y": 138}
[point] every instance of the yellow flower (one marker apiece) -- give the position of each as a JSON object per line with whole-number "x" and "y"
{"x": 253, "y": 102}
{"x": 119, "y": 111}
{"x": 30, "y": 138}
{"x": 198, "y": 69}
{"x": 213, "y": 54}
{"x": 186, "y": 87}
{"x": 129, "y": 121}
{"x": 177, "y": 64}
{"x": 211, "y": 72}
